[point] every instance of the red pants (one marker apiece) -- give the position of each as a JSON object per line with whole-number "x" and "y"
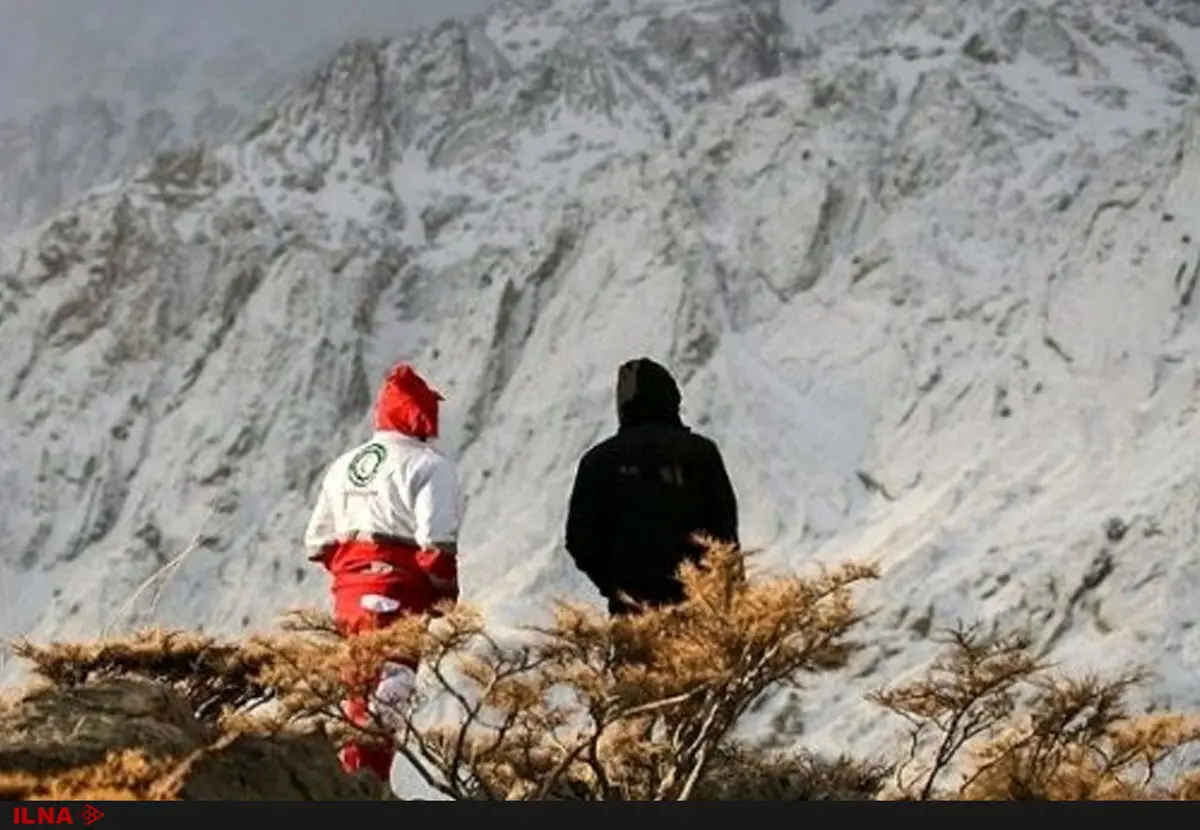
{"x": 408, "y": 577}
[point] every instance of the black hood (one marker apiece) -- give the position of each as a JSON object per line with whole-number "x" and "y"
{"x": 646, "y": 394}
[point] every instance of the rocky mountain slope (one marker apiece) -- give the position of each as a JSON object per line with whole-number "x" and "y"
{"x": 88, "y": 91}
{"x": 927, "y": 271}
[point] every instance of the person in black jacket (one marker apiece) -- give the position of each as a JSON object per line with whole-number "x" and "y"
{"x": 640, "y": 495}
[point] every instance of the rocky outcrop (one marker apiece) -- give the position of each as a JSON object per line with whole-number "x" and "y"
{"x": 137, "y": 739}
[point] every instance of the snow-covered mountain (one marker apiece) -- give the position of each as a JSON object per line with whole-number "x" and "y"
{"x": 927, "y": 271}
{"x": 89, "y": 90}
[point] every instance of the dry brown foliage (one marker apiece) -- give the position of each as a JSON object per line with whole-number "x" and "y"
{"x": 587, "y": 708}
{"x": 640, "y": 707}
{"x": 128, "y": 775}
{"x": 1019, "y": 730}
{"x": 211, "y": 676}
{"x": 631, "y": 709}
{"x": 749, "y": 774}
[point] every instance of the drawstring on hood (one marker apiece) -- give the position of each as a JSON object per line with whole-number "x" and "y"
{"x": 407, "y": 404}
{"x": 646, "y": 394}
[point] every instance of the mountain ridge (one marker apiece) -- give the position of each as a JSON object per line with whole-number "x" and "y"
{"x": 89, "y": 93}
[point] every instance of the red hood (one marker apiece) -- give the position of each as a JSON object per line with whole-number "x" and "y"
{"x": 406, "y": 404}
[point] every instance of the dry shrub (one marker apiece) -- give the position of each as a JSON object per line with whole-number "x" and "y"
{"x": 642, "y": 707}
{"x": 212, "y": 677}
{"x": 749, "y": 774}
{"x": 1188, "y": 787}
{"x": 631, "y": 709}
{"x": 591, "y": 708}
{"x": 128, "y": 775}
{"x": 588, "y": 708}
{"x": 1019, "y": 730}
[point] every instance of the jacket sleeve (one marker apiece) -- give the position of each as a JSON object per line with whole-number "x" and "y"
{"x": 722, "y": 501}
{"x": 435, "y": 500}
{"x": 321, "y": 530}
{"x": 585, "y": 525}
{"x": 436, "y": 509}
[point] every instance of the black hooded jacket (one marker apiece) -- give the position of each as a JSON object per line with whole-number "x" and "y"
{"x": 641, "y": 494}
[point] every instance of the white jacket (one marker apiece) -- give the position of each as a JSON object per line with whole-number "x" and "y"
{"x": 393, "y": 485}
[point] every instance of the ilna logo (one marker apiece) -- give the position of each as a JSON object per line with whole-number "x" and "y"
{"x": 54, "y": 815}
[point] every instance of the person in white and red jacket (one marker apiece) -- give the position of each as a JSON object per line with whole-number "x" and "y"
{"x": 385, "y": 526}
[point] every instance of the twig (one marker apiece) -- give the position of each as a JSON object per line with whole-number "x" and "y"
{"x": 427, "y": 758}
{"x": 654, "y": 706}
{"x": 594, "y": 758}
{"x": 165, "y": 571}
{"x": 561, "y": 767}
{"x": 701, "y": 755}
